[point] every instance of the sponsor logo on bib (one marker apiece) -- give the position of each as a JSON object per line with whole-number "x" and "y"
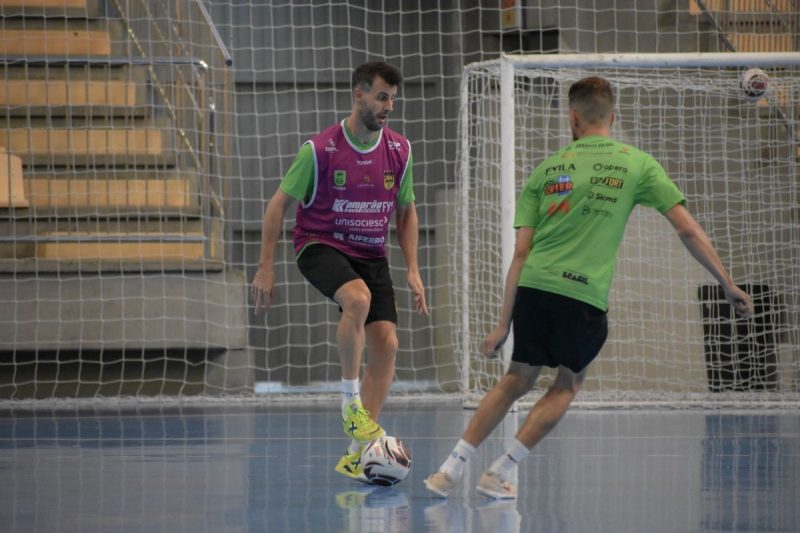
{"x": 388, "y": 180}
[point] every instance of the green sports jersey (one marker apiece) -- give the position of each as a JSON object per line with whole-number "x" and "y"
{"x": 578, "y": 201}
{"x": 298, "y": 182}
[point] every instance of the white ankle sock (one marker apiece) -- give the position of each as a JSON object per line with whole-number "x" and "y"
{"x": 455, "y": 463}
{"x": 349, "y": 393}
{"x": 354, "y": 446}
{"x": 504, "y": 465}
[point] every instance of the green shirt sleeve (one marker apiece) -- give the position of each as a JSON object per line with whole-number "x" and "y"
{"x": 406, "y": 193}
{"x": 298, "y": 182}
{"x": 656, "y": 189}
{"x": 527, "y": 213}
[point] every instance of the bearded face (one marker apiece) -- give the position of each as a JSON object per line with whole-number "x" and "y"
{"x": 375, "y": 103}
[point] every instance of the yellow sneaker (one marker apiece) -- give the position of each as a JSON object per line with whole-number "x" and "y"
{"x": 358, "y": 424}
{"x": 350, "y": 465}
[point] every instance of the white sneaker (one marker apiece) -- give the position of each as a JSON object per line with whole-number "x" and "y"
{"x": 440, "y": 484}
{"x": 493, "y": 486}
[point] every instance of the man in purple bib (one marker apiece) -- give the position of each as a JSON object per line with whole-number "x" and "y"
{"x": 348, "y": 181}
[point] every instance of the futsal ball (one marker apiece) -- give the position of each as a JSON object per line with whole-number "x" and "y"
{"x": 386, "y": 461}
{"x": 755, "y": 83}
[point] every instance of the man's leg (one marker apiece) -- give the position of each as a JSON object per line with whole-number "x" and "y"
{"x": 517, "y": 382}
{"x": 354, "y": 299}
{"x": 546, "y": 412}
{"x": 541, "y": 419}
{"x": 381, "y": 337}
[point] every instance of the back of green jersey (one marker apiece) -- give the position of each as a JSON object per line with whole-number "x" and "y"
{"x": 578, "y": 201}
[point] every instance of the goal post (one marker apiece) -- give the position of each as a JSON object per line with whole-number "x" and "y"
{"x": 736, "y": 160}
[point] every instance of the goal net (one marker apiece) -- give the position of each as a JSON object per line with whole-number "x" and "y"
{"x": 672, "y": 337}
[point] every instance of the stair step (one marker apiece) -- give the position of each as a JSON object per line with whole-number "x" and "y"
{"x": 51, "y": 8}
{"x": 57, "y": 43}
{"x": 79, "y": 96}
{"x": 762, "y": 42}
{"x": 742, "y": 6}
{"x": 42, "y": 143}
{"x": 110, "y": 246}
{"x": 103, "y": 193}
{"x": 60, "y": 266}
{"x": 44, "y": 3}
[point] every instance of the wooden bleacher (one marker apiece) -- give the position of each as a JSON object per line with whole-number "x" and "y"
{"x": 91, "y": 167}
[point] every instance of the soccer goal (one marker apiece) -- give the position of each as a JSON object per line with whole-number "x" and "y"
{"x": 734, "y": 154}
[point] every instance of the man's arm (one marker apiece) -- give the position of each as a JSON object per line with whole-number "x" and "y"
{"x": 697, "y": 242}
{"x": 408, "y": 236}
{"x": 522, "y": 248}
{"x": 264, "y": 280}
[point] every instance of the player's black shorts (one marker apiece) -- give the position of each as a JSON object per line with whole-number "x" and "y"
{"x": 327, "y": 269}
{"x": 552, "y": 330}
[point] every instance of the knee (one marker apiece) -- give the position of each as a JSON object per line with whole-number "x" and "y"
{"x": 387, "y": 344}
{"x": 566, "y": 388}
{"x": 357, "y": 303}
{"x": 517, "y": 386}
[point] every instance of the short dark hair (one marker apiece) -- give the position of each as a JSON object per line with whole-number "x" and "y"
{"x": 592, "y": 98}
{"x": 364, "y": 75}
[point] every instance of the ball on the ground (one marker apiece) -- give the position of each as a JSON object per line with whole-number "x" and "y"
{"x": 386, "y": 461}
{"x": 754, "y": 83}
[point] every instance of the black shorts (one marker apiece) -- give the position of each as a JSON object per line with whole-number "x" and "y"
{"x": 553, "y": 330}
{"x": 327, "y": 269}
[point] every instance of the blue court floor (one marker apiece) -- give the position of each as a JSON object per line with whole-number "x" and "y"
{"x": 270, "y": 468}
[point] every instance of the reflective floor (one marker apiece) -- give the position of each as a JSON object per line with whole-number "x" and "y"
{"x": 248, "y": 468}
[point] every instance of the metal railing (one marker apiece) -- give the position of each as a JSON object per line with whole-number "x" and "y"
{"x": 180, "y": 31}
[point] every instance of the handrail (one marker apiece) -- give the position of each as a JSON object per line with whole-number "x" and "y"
{"x": 217, "y": 37}
{"x": 109, "y": 61}
{"x": 150, "y": 34}
{"x": 713, "y": 21}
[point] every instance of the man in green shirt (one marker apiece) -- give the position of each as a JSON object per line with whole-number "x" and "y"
{"x": 570, "y": 220}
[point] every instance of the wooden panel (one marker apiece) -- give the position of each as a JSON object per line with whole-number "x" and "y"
{"x": 742, "y": 6}
{"x": 71, "y": 4}
{"x": 762, "y": 42}
{"x": 82, "y": 142}
{"x": 55, "y": 42}
{"x": 67, "y": 93}
{"x": 101, "y": 193}
{"x": 105, "y": 247}
{"x": 12, "y": 191}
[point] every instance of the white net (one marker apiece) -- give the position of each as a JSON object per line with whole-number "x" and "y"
{"x": 143, "y": 138}
{"x": 671, "y": 335}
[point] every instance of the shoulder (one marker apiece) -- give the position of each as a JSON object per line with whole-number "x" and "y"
{"x": 632, "y": 152}
{"x": 332, "y": 133}
{"x": 396, "y": 143}
{"x": 392, "y": 136}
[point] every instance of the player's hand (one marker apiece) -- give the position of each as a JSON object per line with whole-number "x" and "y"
{"x": 494, "y": 341}
{"x": 261, "y": 290}
{"x": 739, "y": 300}
{"x": 415, "y": 284}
